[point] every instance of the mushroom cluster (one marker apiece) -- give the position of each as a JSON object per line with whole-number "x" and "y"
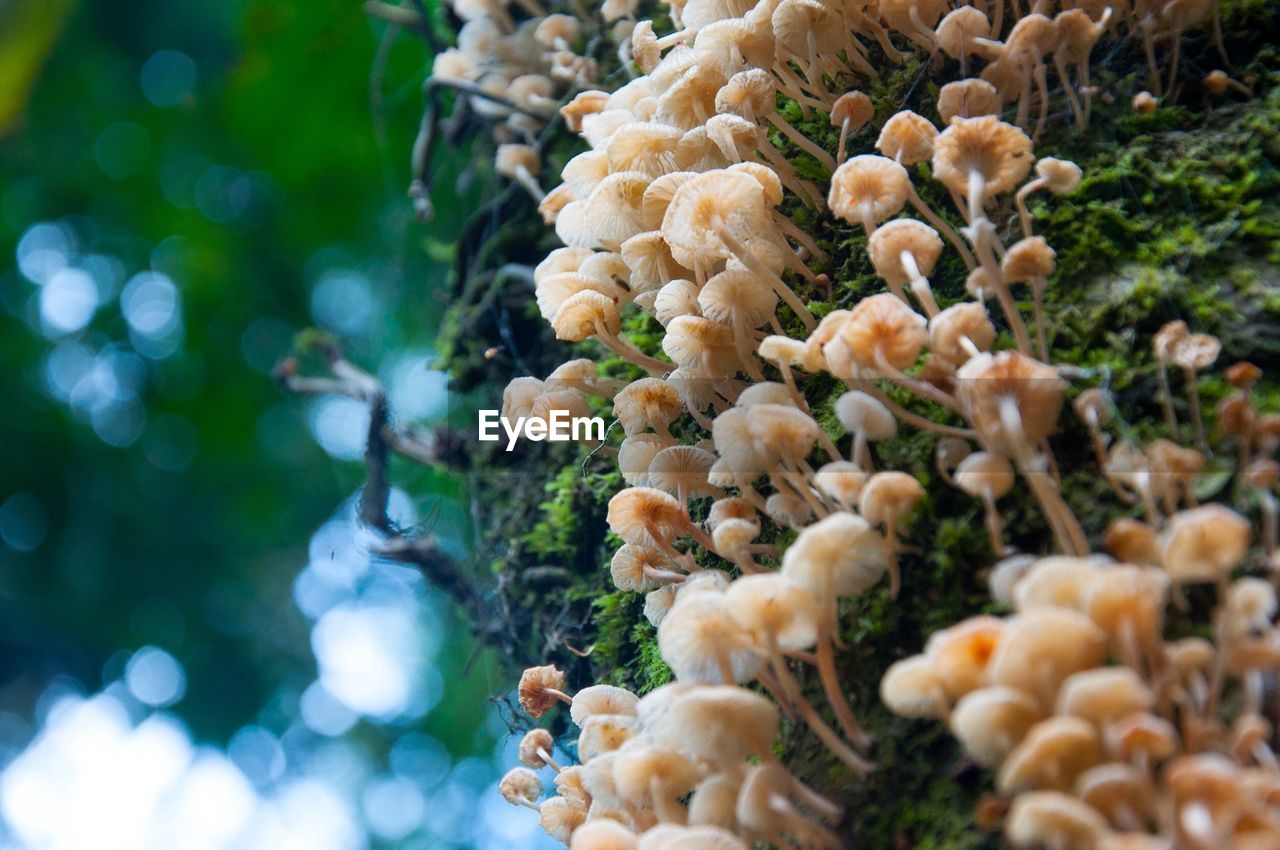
{"x": 681, "y": 215}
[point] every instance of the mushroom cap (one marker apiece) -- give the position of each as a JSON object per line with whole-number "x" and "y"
{"x": 839, "y": 555}
{"x": 766, "y": 177}
{"x": 793, "y": 22}
{"x": 907, "y": 137}
{"x": 867, "y": 189}
{"x": 1204, "y": 544}
{"x": 647, "y": 403}
{"x": 646, "y": 147}
{"x": 882, "y": 323}
{"x": 735, "y": 444}
{"x": 731, "y": 508}
{"x": 738, "y": 295}
{"x": 634, "y": 456}
{"x": 778, "y": 611}
{"x": 702, "y": 642}
{"x": 1251, "y": 604}
{"x": 583, "y": 104}
{"x": 861, "y": 413}
{"x": 731, "y": 537}
{"x": 765, "y": 392}
{"x": 1167, "y": 338}
{"x": 691, "y": 98}
{"x": 532, "y": 693}
{"x": 888, "y": 497}
{"x": 999, "y": 152}
{"x": 782, "y": 431}
{"x": 1095, "y": 407}
{"x": 956, "y": 31}
{"x": 683, "y": 468}
{"x": 732, "y": 136}
{"x": 963, "y": 320}
{"x": 657, "y": 197}
{"x": 519, "y": 395}
{"x": 904, "y": 235}
{"x": 961, "y": 653}
{"x": 601, "y": 699}
{"x": 989, "y": 722}
{"x": 553, "y": 290}
{"x": 569, "y": 785}
{"x": 582, "y": 314}
{"x": 1028, "y": 259}
{"x": 657, "y": 603}
{"x": 666, "y": 837}
{"x": 584, "y": 172}
{"x": 1128, "y": 604}
{"x": 559, "y": 818}
{"x": 852, "y": 106}
{"x": 566, "y": 402}
{"x": 1061, "y": 176}
{"x": 732, "y": 42}
{"x": 985, "y": 475}
{"x": 510, "y": 158}
{"x": 714, "y": 801}
{"x": 627, "y": 568}
{"x": 604, "y": 733}
{"x": 602, "y": 834}
{"x": 1032, "y": 33}
{"x": 696, "y": 342}
{"x": 1058, "y": 581}
{"x": 731, "y": 199}
{"x": 676, "y": 298}
{"x": 560, "y": 260}
{"x": 1005, "y": 576}
{"x": 1196, "y": 351}
{"x": 1104, "y": 695}
{"x": 533, "y": 741}
{"x": 642, "y": 768}
{"x": 1118, "y": 791}
{"x": 910, "y": 688}
{"x": 749, "y": 94}
{"x": 842, "y": 481}
{"x": 613, "y": 208}
{"x": 970, "y": 98}
{"x": 1051, "y": 756}
{"x": 1043, "y": 647}
{"x": 518, "y": 784}
{"x": 763, "y": 799}
{"x": 987, "y": 383}
{"x": 636, "y": 509}
{"x": 1052, "y": 819}
{"x": 573, "y": 227}
{"x": 1131, "y": 541}
{"x": 908, "y": 16}
{"x": 788, "y": 510}
{"x": 719, "y": 724}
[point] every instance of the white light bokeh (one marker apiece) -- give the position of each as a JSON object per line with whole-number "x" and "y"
{"x": 155, "y": 677}
{"x": 340, "y": 425}
{"x": 369, "y": 657}
{"x": 68, "y": 300}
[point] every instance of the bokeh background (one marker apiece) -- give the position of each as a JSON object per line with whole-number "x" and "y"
{"x": 196, "y": 649}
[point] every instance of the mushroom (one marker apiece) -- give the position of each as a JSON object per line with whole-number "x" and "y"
{"x": 1059, "y": 176}
{"x": 712, "y": 216}
{"x": 1041, "y": 648}
{"x": 1051, "y": 757}
{"x": 540, "y": 688}
{"x": 702, "y": 642}
{"x": 1056, "y": 582}
{"x": 1030, "y": 260}
{"x": 649, "y": 775}
{"x": 1128, "y": 604}
{"x": 714, "y": 801}
{"x": 764, "y": 806}
{"x": 603, "y": 733}
{"x": 1121, "y": 792}
{"x": 720, "y": 725}
{"x": 989, "y": 722}
{"x": 841, "y": 481}
{"x": 535, "y": 749}
{"x": 907, "y": 138}
{"x": 683, "y": 472}
{"x": 1054, "y": 820}
{"x": 988, "y": 477}
{"x": 781, "y": 615}
{"x": 968, "y": 99}
{"x": 1104, "y": 695}
{"x": 904, "y": 251}
{"x": 602, "y": 834}
{"x": 868, "y": 420}
{"x": 960, "y": 654}
{"x": 520, "y": 163}
{"x": 1013, "y": 402}
{"x": 911, "y": 688}
{"x": 520, "y": 787}
{"x": 961, "y": 331}
{"x": 956, "y": 35}
{"x": 1204, "y": 544}
{"x": 641, "y": 569}
{"x": 588, "y": 313}
{"x": 648, "y": 403}
{"x": 1077, "y": 34}
{"x": 741, "y": 300}
{"x": 887, "y": 499}
{"x": 559, "y": 818}
{"x": 1194, "y": 353}
{"x": 850, "y": 112}
{"x": 644, "y": 516}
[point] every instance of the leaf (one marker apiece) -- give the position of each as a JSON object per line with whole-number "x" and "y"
{"x": 29, "y": 29}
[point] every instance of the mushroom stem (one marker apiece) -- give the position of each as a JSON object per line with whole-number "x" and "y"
{"x": 788, "y": 228}
{"x": 940, "y": 224}
{"x": 1166, "y": 397}
{"x": 915, "y": 385}
{"x": 749, "y": 259}
{"x": 826, "y": 663}
{"x": 1038, "y": 285}
{"x": 825, "y": 733}
{"x": 802, "y": 141}
{"x": 891, "y": 559}
{"x": 1042, "y": 92}
{"x": 995, "y": 524}
{"x": 550, "y": 762}
{"x": 1193, "y": 401}
{"x": 527, "y": 803}
{"x": 746, "y": 351}
{"x": 844, "y": 138}
{"x": 1020, "y": 201}
{"x": 984, "y": 233}
{"x": 820, "y": 804}
{"x": 560, "y": 695}
{"x": 627, "y": 350}
{"x": 665, "y": 807}
{"x": 914, "y": 418}
{"x": 1073, "y": 100}
{"x": 860, "y": 453}
{"x": 1066, "y": 528}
